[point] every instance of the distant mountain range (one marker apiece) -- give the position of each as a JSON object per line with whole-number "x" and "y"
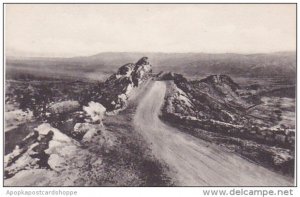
{"x": 190, "y": 64}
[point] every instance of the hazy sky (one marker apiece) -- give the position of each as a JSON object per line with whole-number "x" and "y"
{"x": 72, "y": 30}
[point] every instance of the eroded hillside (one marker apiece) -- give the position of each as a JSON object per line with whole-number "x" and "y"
{"x": 218, "y": 110}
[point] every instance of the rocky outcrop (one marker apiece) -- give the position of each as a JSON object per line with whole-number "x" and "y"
{"x": 212, "y": 98}
{"x": 212, "y": 109}
{"x": 142, "y": 67}
{"x": 38, "y": 150}
{"x": 221, "y": 81}
{"x": 50, "y": 149}
{"x": 114, "y": 92}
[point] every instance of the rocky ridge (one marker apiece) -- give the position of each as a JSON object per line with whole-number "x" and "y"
{"x": 114, "y": 92}
{"x": 214, "y": 110}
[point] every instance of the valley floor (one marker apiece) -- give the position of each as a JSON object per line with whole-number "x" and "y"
{"x": 194, "y": 162}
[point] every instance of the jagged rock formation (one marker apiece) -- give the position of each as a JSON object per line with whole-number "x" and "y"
{"x": 47, "y": 156}
{"x": 44, "y": 148}
{"x": 213, "y": 109}
{"x": 214, "y": 97}
{"x": 114, "y": 92}
{"x": 52, "y": 152}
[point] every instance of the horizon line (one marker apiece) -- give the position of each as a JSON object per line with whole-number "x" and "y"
{"x": 209, "y": 53}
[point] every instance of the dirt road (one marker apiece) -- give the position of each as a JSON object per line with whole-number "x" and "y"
{"x": 195, "y": 162}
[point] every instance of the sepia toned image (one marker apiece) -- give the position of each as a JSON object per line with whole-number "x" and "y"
{"x": 149, "y": 95}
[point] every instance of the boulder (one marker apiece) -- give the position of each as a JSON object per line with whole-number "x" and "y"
{"x": 64, "y": 107}
{"x": 95, "y": 111}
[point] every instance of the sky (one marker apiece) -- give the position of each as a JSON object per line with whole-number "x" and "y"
{"x": 81, "y": 30}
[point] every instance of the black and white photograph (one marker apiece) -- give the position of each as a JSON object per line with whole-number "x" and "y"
{"x": 149, "y": 95}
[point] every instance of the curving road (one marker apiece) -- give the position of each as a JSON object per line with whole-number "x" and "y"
{"x": 194, "y": 162}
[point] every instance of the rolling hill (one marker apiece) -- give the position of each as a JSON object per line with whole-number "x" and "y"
{"x": 101, "y": 65}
